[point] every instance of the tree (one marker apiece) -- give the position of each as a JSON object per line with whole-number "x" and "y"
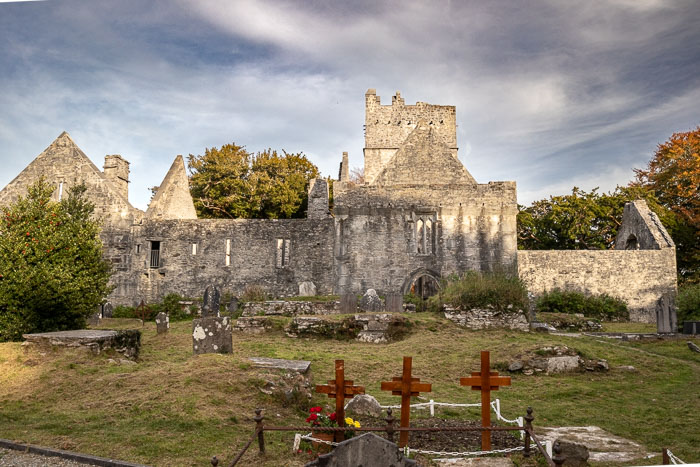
{"x": 231, "y": 183}
{"x": 52, "y": 274}
{"x": 673, "y": 175}
{"x": 582, "y": 220}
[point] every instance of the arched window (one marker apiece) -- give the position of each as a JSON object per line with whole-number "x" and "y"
{"x": 632, "y": 243}
{"x": 420, "y": 237}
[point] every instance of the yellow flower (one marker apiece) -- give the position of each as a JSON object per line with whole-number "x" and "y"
{"x": 349, "y": 421}
{"x": 357, "y": 424}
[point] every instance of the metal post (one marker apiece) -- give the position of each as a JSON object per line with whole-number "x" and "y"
{"x": 259, "y": 428}
{"x": 214, "y": 461}
{"x": 432, "y": 408}
{"x": 389, "y": 425}
{"x": 528, "y": 428}
{"x": 666, "y": 458}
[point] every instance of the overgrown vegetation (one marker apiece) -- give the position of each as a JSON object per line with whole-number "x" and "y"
{"x": 52, "y": 274}
{"x": 170, "y": 305}
{"x": 689, "y": 303}
{"x": 498, "y": 290}
{"x": 602, "y": 306}
{"x": 253, "y": 293}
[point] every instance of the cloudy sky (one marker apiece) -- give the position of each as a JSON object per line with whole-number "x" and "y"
{"x": 551, "y": 94}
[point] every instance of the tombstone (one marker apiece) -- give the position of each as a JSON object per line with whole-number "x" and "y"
{"x": 232, "y": 306}
{"x": 212, "y": 334}
{"x": 307, "y": 289}
{"x": 162, "y": 323}
{"x": 666, "y": 321}
{"x": 107, "y": 310}
{"x": 94, "y": 318}
{"x": 368, "y": 450}
{"x": 364, "y": 404}
{"x": 348, "y": 303}
{"x": 210, "y": 303}
{"x": 394, "y": 303}
{"x": 370, "y": 301}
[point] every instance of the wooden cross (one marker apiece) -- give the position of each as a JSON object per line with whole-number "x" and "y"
{"x": 340, "y": 389}
{"x": 485, "y": 381}
{"x": 405, "y": 386}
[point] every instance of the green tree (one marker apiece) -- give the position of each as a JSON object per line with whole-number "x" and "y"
{"x": 232, "y": 183}
{"x": 52, "y": 274}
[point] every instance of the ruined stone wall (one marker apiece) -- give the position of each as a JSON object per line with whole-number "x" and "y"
{"x": 640, "y": 277}
{"x": 378, "y": 242}
{"x": 388, "y": 126}
{"x": 253, "y": 257}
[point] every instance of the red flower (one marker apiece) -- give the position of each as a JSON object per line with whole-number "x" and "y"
{"x": 333, "y": 416}
{"x": 315, "y": 409}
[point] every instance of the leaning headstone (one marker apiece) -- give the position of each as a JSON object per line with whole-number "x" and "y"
{"x": 307, "y": 289}
{"x": 574, "y": 454}
{"x": 107, "y": 310}
{"x": 368, "y": 450}
{"x": 370, "y": 301}
{"x": 666, "y": 321}
{"x": 232, "y": 306}
{"x": 212, "y": 335}
{"x": 162, "y": 323}
{"x": 210, "y": 303}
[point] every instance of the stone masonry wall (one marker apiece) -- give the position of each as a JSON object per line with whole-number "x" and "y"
{"x": 640, "y": 277}
{"x": 253, "y": 257}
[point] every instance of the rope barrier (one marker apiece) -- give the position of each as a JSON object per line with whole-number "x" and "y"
{"x": 673, "y": 458}
{"x": 407, "y": 451}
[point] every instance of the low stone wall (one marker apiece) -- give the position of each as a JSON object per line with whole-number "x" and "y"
{"x": 374, "y": 328}
{"x": 253, "y": 324}
{"x": 488, "y": 318}
{"x": 290, "y": 308}
{"x": 126, "y": 342}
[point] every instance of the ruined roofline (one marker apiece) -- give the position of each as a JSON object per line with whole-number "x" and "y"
{"x": 397, "y": 100}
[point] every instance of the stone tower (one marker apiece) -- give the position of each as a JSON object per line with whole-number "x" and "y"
{"x": 116, "y": 170}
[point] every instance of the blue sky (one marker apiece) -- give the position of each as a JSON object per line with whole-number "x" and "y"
{"x": 550, "y": 94}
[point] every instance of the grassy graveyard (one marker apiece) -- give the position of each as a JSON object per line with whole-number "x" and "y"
{"x": 173, "y": 408}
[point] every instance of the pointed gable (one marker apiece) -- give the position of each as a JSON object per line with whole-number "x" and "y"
{"x": 173, "y": 199}
{"x": 424, "y": 159}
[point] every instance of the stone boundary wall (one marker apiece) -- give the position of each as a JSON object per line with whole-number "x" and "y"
{"x": 485, "y": 318}
{"x": 640, "y": 277}
{"x": 289, "y": 308}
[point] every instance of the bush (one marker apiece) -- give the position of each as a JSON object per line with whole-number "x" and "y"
{"x": 689, "y": 303}
{"x": 253, "y": 293}
{"x": 52, "y": 274}
{"x": 602, "y": 306}
{"x": 501, "y": 291}
{"x": 170, "y": 305}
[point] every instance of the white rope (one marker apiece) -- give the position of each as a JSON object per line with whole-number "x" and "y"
{"x": 310, "y": 437}
{"x": 673, "y": 458}
{"x": 407, "y": 451}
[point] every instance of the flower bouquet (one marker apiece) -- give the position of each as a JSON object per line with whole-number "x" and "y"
{"x": 317, "y": 419}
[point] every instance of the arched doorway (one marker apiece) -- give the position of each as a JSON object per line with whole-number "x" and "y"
{"x": 421, "y": 285}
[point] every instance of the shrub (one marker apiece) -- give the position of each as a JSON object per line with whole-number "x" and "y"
{"x": 602, "y": 306}
{"x": 689, "y": 303}
{"x": 498, "y": 290}
{"x": 170, "y": 305}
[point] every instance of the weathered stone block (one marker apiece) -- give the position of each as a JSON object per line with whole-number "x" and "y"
{"x": 488, "y": 318}
{"x": 307, "y": 289}
{"x": 210, "y": 303}
{"x": 371, "y": 302}
{"x": 212, "y": 335}
{"x": 126, "y": 342}
{"x": 162, "y": 323}
{"x": 107, "y": 310}
{"x": 364, "y": 404}
{"x": 368, "y": 450}
{"x": 253, "y": 324}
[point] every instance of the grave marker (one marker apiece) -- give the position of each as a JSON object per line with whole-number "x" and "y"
{"x": 485, "y": 381}
{"x": 340, "y": 389}
{"x": 405, "y": 386}
{"x": 210, "y": 302}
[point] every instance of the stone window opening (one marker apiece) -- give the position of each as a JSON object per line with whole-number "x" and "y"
{"x": 425, "y": 235}
{"x": 194, "y": 249}
{"x": 138, "y": 248}
{"x": 283, "y": 247}
{"x": 155, "y": 254}
{"x": 228, "y": 252}
{"x": 632, "y": 243}
{"x": 60, "y": 191}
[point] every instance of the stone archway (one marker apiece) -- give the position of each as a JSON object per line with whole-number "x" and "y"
{"x": 423, "y": 283}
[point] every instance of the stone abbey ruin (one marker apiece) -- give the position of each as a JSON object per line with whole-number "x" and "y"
{"x": 418, "y": 216}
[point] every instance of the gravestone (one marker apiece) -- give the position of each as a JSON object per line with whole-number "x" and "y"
{"x": 232, "y": 306}
{"x": 162, "y": 323}
{"x": 210, "y": 303}
{"x": 364, "y": 404}
{"x": 348, "y": 303}
{"x": 94, "y": 319}
{"x": 107, "y": 310}
{"x": 368, "y": 450}
{"x": 370, "y": 301}
{"x": 212, "y": 335}
{"x": 394, "y": 303}
{"x": 307, "y": 289}
{"x": 666, "y": 321}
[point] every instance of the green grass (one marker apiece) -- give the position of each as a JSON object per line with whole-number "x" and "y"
{"x": 173, "y": 408}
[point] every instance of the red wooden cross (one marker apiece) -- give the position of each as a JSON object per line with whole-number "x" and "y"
{"x": 340, "y": 389}
{"x": 485, "y": 381}
{"x": 405, "y": 386}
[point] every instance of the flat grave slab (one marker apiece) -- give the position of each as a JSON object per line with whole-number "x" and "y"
{"x": 602, "y": 445}
{"x": 297, "y": 366}
{"x": 125, "y": 342}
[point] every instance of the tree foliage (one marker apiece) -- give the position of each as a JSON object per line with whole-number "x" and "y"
{"x": 230, "y": 182}
{"x": 52, "y": 274}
